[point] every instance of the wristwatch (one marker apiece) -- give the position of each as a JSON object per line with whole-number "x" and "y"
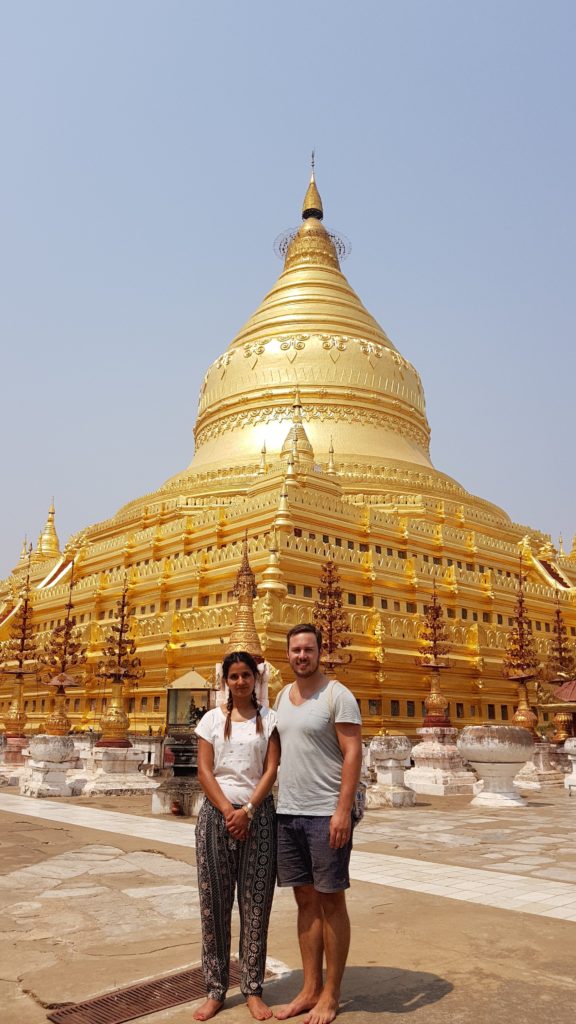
{"x": 250, "y": 809}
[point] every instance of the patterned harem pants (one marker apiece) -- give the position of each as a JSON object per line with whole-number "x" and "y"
{"x": 224, "y": 863}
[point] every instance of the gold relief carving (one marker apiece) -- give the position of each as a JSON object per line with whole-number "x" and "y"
{"x": 293, "y": 345}
{"x": 253, "y": 350}
{"x": 222, "y": 362}
{"x": 371, "y": 351}
{"x": 334, "y": 345}
{"x": 349, "y": 414}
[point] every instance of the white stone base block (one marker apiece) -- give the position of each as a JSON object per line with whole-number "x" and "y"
{"x": 542, "y": 771}
{"x": 388, "y": 756}
{"x": 439, "y": 768}
{"x": 112, "y": 771}
{"x": 389, "y": 796}
{"x": 441, "y": 782}
{"x": 48, "y": 761}
{"x": 46, "y": 778}
{"x": 499, "y": 790}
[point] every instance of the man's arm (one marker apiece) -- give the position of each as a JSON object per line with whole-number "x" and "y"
{"x": 349, "y": 738}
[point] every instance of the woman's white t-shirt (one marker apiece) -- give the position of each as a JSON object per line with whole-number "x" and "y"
{"x": 238, "y": 761}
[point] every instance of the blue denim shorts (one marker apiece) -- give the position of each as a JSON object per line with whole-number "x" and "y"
{"x": 305, "y": 856}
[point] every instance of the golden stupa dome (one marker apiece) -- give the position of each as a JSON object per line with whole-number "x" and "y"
{"x": 311, "y": 335}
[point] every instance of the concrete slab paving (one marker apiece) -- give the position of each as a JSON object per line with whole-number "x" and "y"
{"x": 95, "y": 895}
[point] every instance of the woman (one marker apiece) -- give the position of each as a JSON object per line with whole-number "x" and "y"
{"x": 238, "y": 754}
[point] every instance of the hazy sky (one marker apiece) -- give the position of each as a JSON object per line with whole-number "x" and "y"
{"x": 152, "y": 151}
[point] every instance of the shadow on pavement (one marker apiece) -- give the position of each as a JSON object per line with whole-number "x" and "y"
{"x": 371, "y": 990}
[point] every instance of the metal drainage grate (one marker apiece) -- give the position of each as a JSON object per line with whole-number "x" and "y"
{"x": 138, "y": 1000}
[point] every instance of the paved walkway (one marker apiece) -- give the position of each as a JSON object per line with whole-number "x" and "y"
{"x": 493, "y": 888}
{"x": 457, "y": 914}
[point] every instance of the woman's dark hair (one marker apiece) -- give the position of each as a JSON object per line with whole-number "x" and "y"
{"x": 251, "y": 663}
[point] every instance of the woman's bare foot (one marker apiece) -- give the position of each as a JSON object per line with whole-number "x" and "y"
{"x": 300, "y": 1004}
{"x": 325, "y": 1011}
{"x": 258, "y": 1008}
{"x": 208, "y": 1009}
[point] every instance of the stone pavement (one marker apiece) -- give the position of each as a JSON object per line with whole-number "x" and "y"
{"x": 458, "y": 914}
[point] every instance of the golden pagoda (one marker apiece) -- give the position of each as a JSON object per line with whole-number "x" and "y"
{"x": 312, "y": 442}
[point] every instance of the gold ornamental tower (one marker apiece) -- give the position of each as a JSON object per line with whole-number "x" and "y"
{"x": 311, "y": 445}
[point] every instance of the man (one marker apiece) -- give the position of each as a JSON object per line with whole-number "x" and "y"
{"x": 320, "y": 731}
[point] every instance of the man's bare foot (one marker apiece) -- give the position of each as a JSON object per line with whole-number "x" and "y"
{"x": 324, "y": 1012}
{"x": 258, "y": 1008}
{"x": 300, "y": 1004}
{"x": 208, "y": 1009}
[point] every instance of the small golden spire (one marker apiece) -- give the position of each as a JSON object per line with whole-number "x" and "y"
{"x": 24, "y": 552}
{"x": 48, "y": 544}
{"x": 297, "y": 443}
{"x": 297, "y": 407}
{"x": 283, "y": 517}
{"x": 272, "y": 577}
{"x": 243, "y": 635}
{"x": 312, "y": 244}
{"x": 263, "y": 464}
{"x": 312, "y": 205}
{"x": 561, "y": 551}
{"x": 331, "y": 465}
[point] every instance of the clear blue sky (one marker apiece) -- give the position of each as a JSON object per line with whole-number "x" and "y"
{"x": 152, "y": 151}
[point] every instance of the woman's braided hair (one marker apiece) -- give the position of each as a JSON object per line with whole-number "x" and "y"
{"x": 251, "y": 663}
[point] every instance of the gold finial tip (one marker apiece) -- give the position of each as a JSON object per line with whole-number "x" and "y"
{"x": 312, "y": 205}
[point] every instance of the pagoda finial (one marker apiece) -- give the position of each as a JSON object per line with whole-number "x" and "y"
{"x": 331, "y": 465}
{"x": 243, "y": 635}
{"x": 312, "y": 205}
{"x": 296, "y": 442}
{"x": 297, "y": 406}
{"x": 48, "y": 544}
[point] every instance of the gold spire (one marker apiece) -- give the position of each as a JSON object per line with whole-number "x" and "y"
{"x": 312, "y": 243}
{"x": 331, "y": 465}
{"x": 48, "y": 544}
{"x": 273, "y": 577}
{"x": 283, "y": 517}
{"x": 312, "y": 205}
{"x": 296, "y": 443}
{"x": 243, "y": 635}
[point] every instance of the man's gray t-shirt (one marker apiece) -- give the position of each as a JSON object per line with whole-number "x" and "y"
{"x": 311, "y": 760}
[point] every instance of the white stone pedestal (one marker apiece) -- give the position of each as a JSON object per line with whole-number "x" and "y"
{"x": 388, "y": 756}
{"x": 570, "y": 750}
{"x": 112, "y": 771}
{"x": 541, "y": 772}
{"x": 182, "y": 792}
{"x": 48, "y": 762}
{"x": 439, "y": 768}
{"x": 496, "y": 752}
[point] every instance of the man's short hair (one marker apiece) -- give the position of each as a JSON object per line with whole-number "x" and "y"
{"x": 305, "y": 627}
